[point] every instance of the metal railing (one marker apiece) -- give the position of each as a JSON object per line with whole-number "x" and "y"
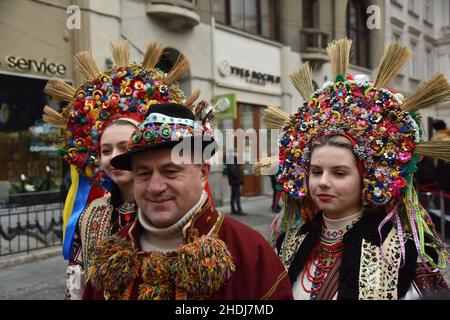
{"x": 30, "y": 227}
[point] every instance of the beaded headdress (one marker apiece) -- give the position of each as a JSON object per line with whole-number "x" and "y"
{"x": 127, "y": 90}
{"x": 385, "y": 131}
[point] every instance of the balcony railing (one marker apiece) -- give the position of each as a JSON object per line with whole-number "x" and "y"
{"x": 313, "y": 44}
{"x": 314, "y": 40}
{"x": 179, "y": 14}
{"x": 179, "y": 3}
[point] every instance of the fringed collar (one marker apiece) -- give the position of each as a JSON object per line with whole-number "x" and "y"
{"x": 196, "y": 269}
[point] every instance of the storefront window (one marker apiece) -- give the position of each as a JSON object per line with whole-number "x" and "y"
{"x": 29, "y": 158}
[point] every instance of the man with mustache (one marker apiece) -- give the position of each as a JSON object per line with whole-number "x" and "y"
{"x": 180, "y": 247}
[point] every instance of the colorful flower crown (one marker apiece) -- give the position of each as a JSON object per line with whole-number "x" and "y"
{"x": 385, "y": 137}
{"x": 123, "y": 91}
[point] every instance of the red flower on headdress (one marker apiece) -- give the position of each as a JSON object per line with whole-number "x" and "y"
{"x": 391, "y": 128}
{"x": 400, "y": 182}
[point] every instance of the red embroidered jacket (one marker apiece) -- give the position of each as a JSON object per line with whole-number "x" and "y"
{"x": 259, "y": 272}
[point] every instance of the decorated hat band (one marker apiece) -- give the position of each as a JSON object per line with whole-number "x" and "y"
{"x": 167, "y": 125}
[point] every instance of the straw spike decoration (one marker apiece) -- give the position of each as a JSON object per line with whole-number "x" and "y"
{"x": 275, "y": 117}
{"x": 339, "y": 53}
{"x": 435, "y": 91}
{"x": 394, "y": 59}
{"x": 192, "y": 98}
{"x": 152, "y": 55}
{"x": 302, "y": 81}
{"x": 435, "y": 149}
{"x": 84, "y": 63}
{"x": 121, "y": 52}
{"x": 180, "y": 67}
{"x": 54, "y": 118}
{"x": 60, "y": 90}
{"x": 267, "y": 162}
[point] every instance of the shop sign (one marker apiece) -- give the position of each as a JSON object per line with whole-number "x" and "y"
{"x": 226, "y": 106}
{"x": 250, "y": 76}
{"x": 31, "y": 65}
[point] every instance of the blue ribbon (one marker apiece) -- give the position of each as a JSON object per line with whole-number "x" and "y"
{"x": 84, "y": 187}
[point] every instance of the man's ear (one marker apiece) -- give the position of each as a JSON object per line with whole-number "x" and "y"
{"x": 205, "y": 170}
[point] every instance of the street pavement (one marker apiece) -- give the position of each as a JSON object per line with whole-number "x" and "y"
{"x": 44, "y": 279}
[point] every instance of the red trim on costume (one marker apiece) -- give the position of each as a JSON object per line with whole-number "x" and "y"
{"x": 208, "y": 191}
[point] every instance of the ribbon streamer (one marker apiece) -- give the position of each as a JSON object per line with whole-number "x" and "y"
{"x": 73, "y": 207}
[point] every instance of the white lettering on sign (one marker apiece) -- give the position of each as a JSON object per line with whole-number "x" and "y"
{"x": 250, "y": 76}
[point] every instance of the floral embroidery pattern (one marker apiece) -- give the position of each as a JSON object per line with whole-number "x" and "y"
{"x": 95, "y": 225}
{"x": 377, "y": 279}
{"x": 290, "y": 246}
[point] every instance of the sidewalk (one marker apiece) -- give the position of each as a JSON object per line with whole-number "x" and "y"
{"x": 259, "y": 214}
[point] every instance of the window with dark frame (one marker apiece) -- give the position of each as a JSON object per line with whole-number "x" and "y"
{"x": 258, "y": 17}
{"x": 356, "y": 17}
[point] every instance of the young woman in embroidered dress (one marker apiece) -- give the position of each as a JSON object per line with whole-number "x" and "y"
{"x": 352, "y": 227}
{"x": 106, "y": 215}
{"x": 335, "y": 187}
{"x": 98, "y": 122}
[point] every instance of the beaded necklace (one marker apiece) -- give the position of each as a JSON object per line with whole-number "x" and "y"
{"x": 324, "y": 257}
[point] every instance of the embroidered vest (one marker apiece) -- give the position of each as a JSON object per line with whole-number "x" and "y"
{"x": 95, "y": 225}
{"x": 364, "y": 273}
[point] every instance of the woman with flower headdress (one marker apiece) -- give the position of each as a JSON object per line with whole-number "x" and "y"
{"x": 352, "y": 227}
{"x": 101, "y": 116}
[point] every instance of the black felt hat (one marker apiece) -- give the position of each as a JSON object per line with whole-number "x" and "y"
{"x": 165, "y": 126}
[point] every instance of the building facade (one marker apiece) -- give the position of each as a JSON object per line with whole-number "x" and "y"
{"x": 424, "y": 26}
{"x": 241, "y": 54}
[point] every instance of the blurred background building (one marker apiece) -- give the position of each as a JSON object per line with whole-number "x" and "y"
{"x": 241, "y": 54}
